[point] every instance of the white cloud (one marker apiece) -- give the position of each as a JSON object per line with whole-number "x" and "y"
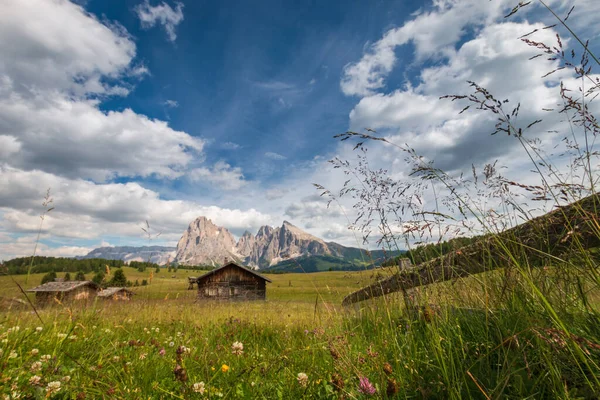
{"x": 230, "y": 146}
{"x": 50, "y": 45}
{"x": 495, "y": 59}
{"x": 85, "y": 210}
{"x": 274, "y": 156}
{"x": 221, "y": 174}
{"x": 76, "y": 139}
{"x": 58, "y": 61}
{"x": 433, "y": 33}
{"x": 162, "y": 14}
{"x": 171, "y": 103}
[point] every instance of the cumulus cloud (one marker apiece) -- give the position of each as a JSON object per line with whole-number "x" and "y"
{"x": 162, "y": 14}
{"x": 55, "y": 65}
{"x": 50, "y": 45}
{"x": 221, "y": 174}
{"x": 86, "y": 210}
{"x": 494, "y": 58}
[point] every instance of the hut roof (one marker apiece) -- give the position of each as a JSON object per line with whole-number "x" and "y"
{"x": 62, "y": 286}
{"x": 112, "y": 290}
{"x": 214, "y": 271}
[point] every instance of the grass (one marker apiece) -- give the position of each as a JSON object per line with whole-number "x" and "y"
{"x": 470, "y": 343}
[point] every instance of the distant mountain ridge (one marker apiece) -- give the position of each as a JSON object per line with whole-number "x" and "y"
{"x": 157, "y": 254}
{"x": 204, "y": 243}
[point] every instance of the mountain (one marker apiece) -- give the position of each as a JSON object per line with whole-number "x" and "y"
{"x": 156, "y": 254}
{"x": 204, "y": 243}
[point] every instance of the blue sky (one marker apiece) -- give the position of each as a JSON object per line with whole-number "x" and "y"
{"x": 164, "y": 111}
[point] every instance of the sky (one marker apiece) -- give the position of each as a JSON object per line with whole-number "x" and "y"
{"x": 136, "y": 110}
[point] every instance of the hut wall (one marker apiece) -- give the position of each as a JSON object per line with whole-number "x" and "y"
{"x": 234, "y": 284}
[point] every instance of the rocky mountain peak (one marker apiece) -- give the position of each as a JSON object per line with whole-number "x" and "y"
{"x": 206, "y": 243}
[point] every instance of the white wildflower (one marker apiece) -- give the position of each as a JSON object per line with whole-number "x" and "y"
{"x": 13, "y": 354}
{"x": 36, "y": 366}
{"x": 171, "y": 344}
{"x": 237, "y": 348}
{"x": 199, "y": 387}
{"x": 53, "y": 387}
{"x": 143, "y": 356}
{"x": 39, "y": 329}
{"x": 61, "y": 335}
{"x": 66, "y": 378}
{"x": 35, "y": 380}
{"x": 45, "y": 357}
{"x": 302, "y": 379}
{"x": 34, "y": 352}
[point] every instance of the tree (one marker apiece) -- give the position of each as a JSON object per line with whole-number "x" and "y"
{"x": 157, "y": 270}
{"x": 49, "y": 277}
{"x": 67, "y": 277}
{"x": 80, "y": 276}
{"x": 98, "y": 278}
{"x": 118, "y": 278}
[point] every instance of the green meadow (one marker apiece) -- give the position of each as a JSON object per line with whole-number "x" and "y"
{"x": 467, "y": 338}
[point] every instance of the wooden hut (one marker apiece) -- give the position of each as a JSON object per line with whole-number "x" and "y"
{"x": 232, "y": 282}
{"x": 116, "y": 293}
{"x": 65, "y": 291}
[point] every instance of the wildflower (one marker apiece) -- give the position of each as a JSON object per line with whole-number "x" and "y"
{"x": 13, "y": 354}
{"x": 224, "y": 367}
{"x": 171, "y": 344}
{"x": 237, "y": 348}
{"x": 36, "y": 366}
{"x": 34, "y": 352}
{"x": 156, "y": 330}
{"x": 39, "y": 329}
{"x": 198, "y": 387}
{"x": 66, "y": 379}
{"x": 116, "y": 358}
{"x": 302, "y": 379}
{"x": 366, "y": 387}
{"x": 162, "y": 352}
{"x": 73, "y": 337}
{"x": 61, "y": 335}
{"x": 143, "y": 356}
{"x": 45, "y": 357}
{"x": 53, "y": 387}
{"x": 35, "y": 380}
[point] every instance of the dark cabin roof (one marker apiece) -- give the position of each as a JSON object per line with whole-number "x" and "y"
{"x": 214, "y": 271}
{"x": 112, "y": 290}
{"x": 62, "y": 286}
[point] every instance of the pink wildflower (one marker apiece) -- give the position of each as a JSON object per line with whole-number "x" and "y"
{"x": 366, "y": 387}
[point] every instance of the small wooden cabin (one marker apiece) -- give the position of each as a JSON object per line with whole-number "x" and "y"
{"x": 65, "y": 291}
{"x": 232, "y": 282}
{"x": 116, "y": 293}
